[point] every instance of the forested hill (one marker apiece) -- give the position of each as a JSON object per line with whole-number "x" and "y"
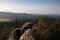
{"x": 46, "y": 27}
{"x": 11, "y": 15}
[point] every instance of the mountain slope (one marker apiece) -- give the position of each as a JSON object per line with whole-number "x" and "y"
{"x": 17, "y": 15}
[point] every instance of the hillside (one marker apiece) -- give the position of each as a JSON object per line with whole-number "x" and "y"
{"x": 46, "y": 27}
{"x": 11, "y": 15}
{"x": 4, "y": 20}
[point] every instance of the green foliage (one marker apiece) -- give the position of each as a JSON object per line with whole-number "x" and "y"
{"x": 7, "y": 27}
{"x": 5, "y": 31}
{"x": 46, "y": 27}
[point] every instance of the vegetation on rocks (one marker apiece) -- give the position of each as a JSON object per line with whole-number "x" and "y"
{"x": 46, "y": 27}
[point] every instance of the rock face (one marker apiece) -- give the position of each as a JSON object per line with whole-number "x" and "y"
{"x": 29, "y": 34}
{"x": 27, "y": 25}
{"x": 15, "y": 34}
{"x": 24, "y": 33}
{"x": 11, "y": 37}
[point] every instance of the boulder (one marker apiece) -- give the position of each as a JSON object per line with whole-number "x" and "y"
{"x": 15, "y": 34}
{"x": 27, "y": 25}
{"x": 29, "y": 34}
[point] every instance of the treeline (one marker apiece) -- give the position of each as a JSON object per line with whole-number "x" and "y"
{"x": 46, "y": 27}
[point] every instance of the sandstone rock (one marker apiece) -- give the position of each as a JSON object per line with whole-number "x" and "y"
{"x": 29, "y": 34}
{"x": 15, "y": 34}
{"x": 27, "y": 25}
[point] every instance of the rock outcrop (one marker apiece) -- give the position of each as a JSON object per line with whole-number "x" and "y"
{"x": 15, "y": 34}
{"x": 24, "y": 33}
{"x": 29, "y": 34}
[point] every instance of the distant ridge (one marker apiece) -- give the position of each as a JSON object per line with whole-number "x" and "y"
{"x": 20, "y": 16}
{"x": 11, "y": 15}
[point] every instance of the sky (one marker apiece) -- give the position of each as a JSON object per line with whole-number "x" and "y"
{"x": 31, "y": 6}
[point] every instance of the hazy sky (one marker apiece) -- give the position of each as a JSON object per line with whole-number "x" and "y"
{"x": 30, "y": 6}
